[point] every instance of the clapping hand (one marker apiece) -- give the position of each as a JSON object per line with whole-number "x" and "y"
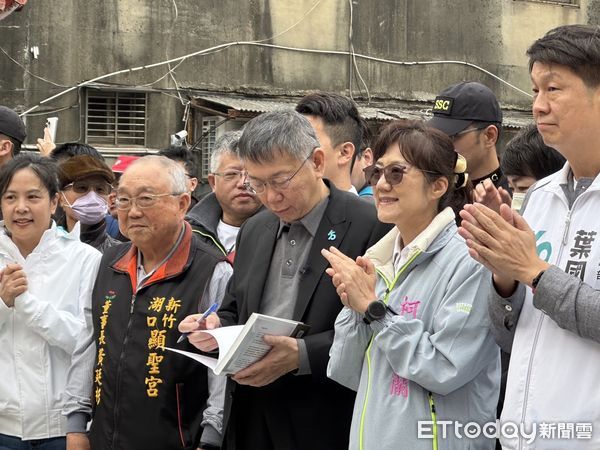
{"x": 13, "y": 283}
{"x": 354, "y": 281}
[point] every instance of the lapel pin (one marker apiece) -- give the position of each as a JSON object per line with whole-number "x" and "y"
{"x": 331, "y": 235}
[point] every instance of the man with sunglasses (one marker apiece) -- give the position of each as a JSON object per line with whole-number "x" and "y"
{"x": 220, "y": 214}
{"x": 285, "y": 400}
{"x": 469, "y": 113}
{"x": 85, "y": 183}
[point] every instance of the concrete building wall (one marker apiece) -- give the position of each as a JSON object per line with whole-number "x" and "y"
{"x": 79, "y": 40}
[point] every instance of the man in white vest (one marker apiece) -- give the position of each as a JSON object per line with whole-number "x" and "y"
{"x": 545, "y": 302}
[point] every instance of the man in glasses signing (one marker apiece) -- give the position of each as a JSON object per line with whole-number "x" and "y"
{"x": 279, "y": 271}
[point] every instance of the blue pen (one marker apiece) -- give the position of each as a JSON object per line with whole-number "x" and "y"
{"x": 207, "y": 313}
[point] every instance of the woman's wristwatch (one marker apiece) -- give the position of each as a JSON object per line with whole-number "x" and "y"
{"x": 375, "y": 311}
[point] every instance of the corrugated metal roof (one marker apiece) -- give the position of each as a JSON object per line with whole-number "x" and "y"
{"x": 236, "y": 106}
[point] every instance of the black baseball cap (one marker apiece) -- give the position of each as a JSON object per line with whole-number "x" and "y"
{"x": 461, "y": 104}
{"x": 11, "y": 124}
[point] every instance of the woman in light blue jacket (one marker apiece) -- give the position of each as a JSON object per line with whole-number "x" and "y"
{"x": 413, "y": 338}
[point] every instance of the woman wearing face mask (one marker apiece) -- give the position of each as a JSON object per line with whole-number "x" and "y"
{"x": 46, "y": 281}
{"x": 85, "y": 183}
{"x": 413, "y": 338}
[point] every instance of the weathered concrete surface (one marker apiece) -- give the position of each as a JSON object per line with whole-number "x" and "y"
{"x": 80, "y": 40}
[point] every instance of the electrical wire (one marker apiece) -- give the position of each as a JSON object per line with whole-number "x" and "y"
{"x": 311, "y": 9}
{"x": 353, "y": 56}
{"x": 54, "y": 111}
{"x": 207, "y": 132}
{"x": 280, "y": 47}
{"x": 261, "y": 43}
{"x": 169, "y": 41}
{"x": 29, "y": 72}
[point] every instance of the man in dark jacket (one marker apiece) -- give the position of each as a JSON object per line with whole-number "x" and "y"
{"x": 142, "y": 396}
{"x": 285, "y": 401}
{"x": 219, "y": 215}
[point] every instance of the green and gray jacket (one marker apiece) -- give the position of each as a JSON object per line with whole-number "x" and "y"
{"x": 432, "y": 358}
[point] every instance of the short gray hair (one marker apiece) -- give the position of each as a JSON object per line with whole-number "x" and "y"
{"x": 227, "y": 143}
{"x": 172, "y": 169}
{"x": 283, "y": 132}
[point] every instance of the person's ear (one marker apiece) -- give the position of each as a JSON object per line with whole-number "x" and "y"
{"x": 346, "y": 153}
{"x": 54, "y": 201}
{"x": 60, "y": 200}
{"x": 193, "y": 183}
{"x": 211, "y": 180}
{"x": 439, "y": 187}
{"x": 318, "y": 159}
{"x": 6, "y": 147}
{"x": 491, "y": 135}
{"x": 185, "y": 200}
{"x": 367, "y": 157}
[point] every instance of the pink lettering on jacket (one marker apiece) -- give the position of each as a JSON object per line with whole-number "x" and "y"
{"x": 410, "y": 307}
{"x": 399, "y": 386}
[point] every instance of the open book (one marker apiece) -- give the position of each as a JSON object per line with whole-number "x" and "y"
{"x": 242, "y": 345}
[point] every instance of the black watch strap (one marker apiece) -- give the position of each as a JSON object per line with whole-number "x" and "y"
{"x": 536, "y": 280}
{"x": 375, "y": 311}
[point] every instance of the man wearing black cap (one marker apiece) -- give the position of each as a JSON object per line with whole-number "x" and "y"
{"x": 12, "y": 134}
{"x": 469, "y": 113}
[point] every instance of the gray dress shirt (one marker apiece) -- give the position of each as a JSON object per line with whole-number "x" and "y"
{"x": 288, "y": 264}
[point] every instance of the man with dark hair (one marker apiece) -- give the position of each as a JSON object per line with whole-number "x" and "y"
{"x": 285, "y": 400}
{"x": 12, "y": 134}
{"x": 338, "y": 126}
{"x": 545, "y": 301}
{"x": 469, "y": 113}
{"x": 527, "y": 159}
{"x": 364, "y": 158}
{"x": 184, "y": 157}
{"x": 69, "y": 149}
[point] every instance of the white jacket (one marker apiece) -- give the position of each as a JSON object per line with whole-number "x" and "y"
{"x": 38, "y": 335}
{"x": 554, "y": 373}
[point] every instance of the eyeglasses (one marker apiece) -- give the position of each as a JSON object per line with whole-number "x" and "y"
{"x": 231, "y": 175}
{"x": 277, "y": 183}
{"x": 394, "y": 173}
{"x": 143, "y": 201}
{"x": 454, "y": 137}
{"x": 83, "y": 187}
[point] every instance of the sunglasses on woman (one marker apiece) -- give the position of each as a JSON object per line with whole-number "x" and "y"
{"x": 393, "y": 173}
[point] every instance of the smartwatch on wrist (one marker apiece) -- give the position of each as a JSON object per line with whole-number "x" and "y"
{"x": 375, "y": 311}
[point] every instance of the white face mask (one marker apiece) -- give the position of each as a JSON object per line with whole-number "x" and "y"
{"x": 517, "y": 200}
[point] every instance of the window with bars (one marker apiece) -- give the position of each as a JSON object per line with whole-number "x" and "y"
{"x": 116, "y": 118}
{"x": 209, "y": 136}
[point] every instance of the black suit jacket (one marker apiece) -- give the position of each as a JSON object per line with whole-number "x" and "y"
{"x": 293, "y": 408}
